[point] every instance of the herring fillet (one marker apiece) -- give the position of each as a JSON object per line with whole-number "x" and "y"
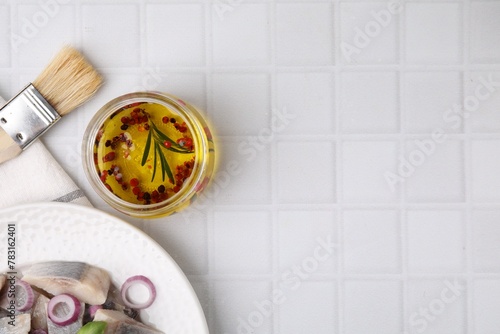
{"x": 22, "y": 324}
{"x": 87, "y": 283}
{"x": 2, "y": 281}
{"x": 119, "y": 323}
{"x": 39, "y": 313}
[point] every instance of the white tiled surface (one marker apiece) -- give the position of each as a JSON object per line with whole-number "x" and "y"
{"x": 343, "y": 212}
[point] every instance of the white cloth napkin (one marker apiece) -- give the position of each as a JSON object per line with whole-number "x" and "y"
{"x": 35, "y": 176}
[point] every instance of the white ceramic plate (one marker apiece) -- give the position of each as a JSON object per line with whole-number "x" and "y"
{"x": 57, "y": 231}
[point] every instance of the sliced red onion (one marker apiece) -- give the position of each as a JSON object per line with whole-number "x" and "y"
{"x": 71, "y": 314}
{"x": 38, "y": 331}
{"x": 93, "y": 309}
{"x": 143, "y": 280}
{"x": 26, "y": 303}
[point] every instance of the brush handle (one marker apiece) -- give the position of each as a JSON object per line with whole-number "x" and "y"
{"x": 8, "y": 148}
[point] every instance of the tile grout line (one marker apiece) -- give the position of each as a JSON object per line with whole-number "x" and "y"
{"x": 14, "y": 64}
{"x": 467, "y": 158}
{"x": 402, "y": 187}
{"x": 211, "y": 322}
{"x": 274, "y": 160}
{"x": 338, "y": 168}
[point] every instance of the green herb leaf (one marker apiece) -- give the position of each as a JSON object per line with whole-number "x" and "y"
{"x": 164, "y": 137}
{"x": 177, "y": 151}
{"x": 164, "y": 165}
{"x": 154, "y": 163}
{"x": 94, "y": 327}
{"x": 147, "y": 148}
{"x": 162, "y": 161}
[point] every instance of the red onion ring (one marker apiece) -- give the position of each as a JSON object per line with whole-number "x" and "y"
{"x": 38, "y": 331}
{"x": 66, "y": 319}
{"x": 93, "y": 309}
{"x": 143, "y": 280}
{"x": 30, "y": 296}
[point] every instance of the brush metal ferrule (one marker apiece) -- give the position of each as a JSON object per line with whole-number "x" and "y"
{"x": 27, "y": 116}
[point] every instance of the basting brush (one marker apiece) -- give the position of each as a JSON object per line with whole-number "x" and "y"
{"x": 66, "y": 83}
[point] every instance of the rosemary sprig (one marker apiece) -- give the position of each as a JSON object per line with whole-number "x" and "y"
{"x": 158, "y": 137}
{"x": 164, "y": 137}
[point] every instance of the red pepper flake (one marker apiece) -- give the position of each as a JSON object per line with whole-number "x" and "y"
{"x": 165, "y": 119}
{"x": 167, "y": 144}
{"x": 136, "y": 190}
{"x": 109, "y": 157}
{"x": 134, "y": 182}
{"x": 125, "y": 120}
{"x": 177, "y": 188}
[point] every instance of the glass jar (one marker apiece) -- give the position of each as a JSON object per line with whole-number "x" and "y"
{"x": 148, "y": 154}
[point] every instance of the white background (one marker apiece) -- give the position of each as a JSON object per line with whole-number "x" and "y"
{"x": 366, "y": 87}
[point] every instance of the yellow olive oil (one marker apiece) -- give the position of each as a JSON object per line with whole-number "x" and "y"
{"x": 144, "y": 153}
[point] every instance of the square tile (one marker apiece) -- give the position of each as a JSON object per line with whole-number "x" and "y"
{"x": 486, "y": 306}
{"x": 483, "y": 97}
{"x": 241, "y": 103}
{"x": 242, "y": 36}
{"x": 372, "y": 307}
{"x": 175, "y": 34}
{"x": 243, "y": 174}
{"x": 103, "y": 29}
{"x": 304, "y": 39}
{"x": 439, "y": 40}
{"x": 176, "y": 233}
{"x": 6, "y": 89}
{"x": 437, "y": 306}
{"x": 486, "y": 238}
{"x": 202, "y": 290}
{"x": 485, "y": 167}
{"x": 371, "y": 241}
{"x": 368, "y": 34}
{"x": 242, "y": 242}
{"x": 5, "y": 42}
{"x": 39, "y": 27}
{"x": 432, "y": 101}
{"x": 485, "y": 32}
{"x": 436, "y": 241}
{"x": 307, "y": 239}
{"x": 438, "y": 171}
{"x": 309, "y": 98}
{"x": 116, "y": 84}
{"x": 190, "y": 87}
{"x": 369, "y": 102}
{"x": 243, "y": 307}
{"x": 310, "y": 309}
{"x": 306, "y": 172}
{"x": 365, "y": 166}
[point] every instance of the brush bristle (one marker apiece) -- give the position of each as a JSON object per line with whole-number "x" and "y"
{"x": 68, "y": 81}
